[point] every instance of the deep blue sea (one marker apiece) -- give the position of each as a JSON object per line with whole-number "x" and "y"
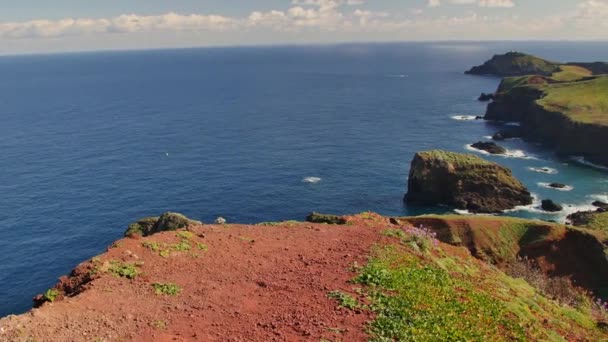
{"x": 91, "y": 142}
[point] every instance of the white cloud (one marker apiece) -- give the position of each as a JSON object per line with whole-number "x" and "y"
{"x": 311, "y": 21}
{"x": 480, "y": 3}
{"x": 496, "y": 3}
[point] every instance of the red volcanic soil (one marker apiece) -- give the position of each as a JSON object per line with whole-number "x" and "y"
{"x": 252, "y": 283}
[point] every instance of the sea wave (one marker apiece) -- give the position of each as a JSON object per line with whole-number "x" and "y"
{"x": 465, "y": 118}
{"x": 512, "y": 123}
{"x": 548, "y": 186}
{"x": 583, "y": 161}
{"x": 559, "y": 216}
{"x": 599, "y": 197}
{"x": 544, "y": 169}
{"x": 509, "y": 154}
{"x": 312, "y": 180}
{"x": 465, "y": 212}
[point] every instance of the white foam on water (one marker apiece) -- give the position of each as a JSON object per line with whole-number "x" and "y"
{"x": 465, "y": 118}
{"x": 518, "y": 154}
{"x": 582, "y": 161}
{"x": 465, "y": 212}
{"x": 473, "y": 149}
{"x": 559, "y": 216}
{"x": 489, "y": 137}
{"x": 512, "y": 123}
{"x": 509, "y": 154}
{"x": 599, "y": 197}
{"x": 399, "y": 76}
{"x": 544, "y": 169}
{"x": 548, "y": 186}
{"x": 311, "y": 180}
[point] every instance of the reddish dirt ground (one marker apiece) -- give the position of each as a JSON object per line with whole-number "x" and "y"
{"x": 253, "y": 283}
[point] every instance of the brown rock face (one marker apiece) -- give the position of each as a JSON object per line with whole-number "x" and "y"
{"x": 463, "y": 181}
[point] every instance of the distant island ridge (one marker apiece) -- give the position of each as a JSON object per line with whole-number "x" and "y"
{"x": 563, "y": 105}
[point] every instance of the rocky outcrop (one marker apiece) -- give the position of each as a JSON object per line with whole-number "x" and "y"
{"x": 515, "y": 64}
{"x": 489, "y": 147}
{"x": 142, "y": 227}
{"x": 581, "y": 218}
{"x": 463, "y": 181}
{"x": 325, "y": 218}
{"x": 600, "y": 204}
{"x": 550, "y": 206}
{"x": 557, "y": 185}
{"x": 485, "y": 97}
{"x": 508, "y": 133}
{"x": 166, "y": 222}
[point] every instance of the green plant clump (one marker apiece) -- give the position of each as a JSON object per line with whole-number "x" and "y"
{"x": 168, "y": 289}
{"x": 124, "y": 270}
{"x": 344, "y": 299}
{"x": 51, "y": 295}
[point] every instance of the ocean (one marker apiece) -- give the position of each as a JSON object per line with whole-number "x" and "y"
{"x": 90, "y": 142}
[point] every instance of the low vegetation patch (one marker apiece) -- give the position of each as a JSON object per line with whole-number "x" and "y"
{"x": 185, "y": 244}
{"x": 51, "y": 295}
{"x": 169, "y": 289}
{"x": 124, "y": 270}
{"x": 344, "y": 299}
{"x": 441, "y": 297}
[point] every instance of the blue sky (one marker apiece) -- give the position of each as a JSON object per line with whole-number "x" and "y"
{"x": 71, "y": 25}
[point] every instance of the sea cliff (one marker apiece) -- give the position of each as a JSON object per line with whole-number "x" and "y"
{"x": 562, "y": 125}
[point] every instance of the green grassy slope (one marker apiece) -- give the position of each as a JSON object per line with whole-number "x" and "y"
{"x": 423, "y": 290}
{"x": 584, "y": 101}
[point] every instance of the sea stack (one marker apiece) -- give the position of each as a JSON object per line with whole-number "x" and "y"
{"x": 463, "y": 181}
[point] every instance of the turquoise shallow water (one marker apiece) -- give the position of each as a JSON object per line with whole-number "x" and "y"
{"x": 91, "y": 142}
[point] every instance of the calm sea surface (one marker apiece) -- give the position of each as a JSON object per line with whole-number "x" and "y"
{"x": 91, "y": 142}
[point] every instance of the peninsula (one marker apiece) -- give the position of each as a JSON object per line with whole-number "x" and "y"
{"x": 564, "y": 106}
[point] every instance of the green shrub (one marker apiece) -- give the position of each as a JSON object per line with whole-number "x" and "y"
{"x": 344, "y": 299}
{"x": 124, "y": 270}
{"x": 169, "y": 289}
{"x": 51, "y": 295}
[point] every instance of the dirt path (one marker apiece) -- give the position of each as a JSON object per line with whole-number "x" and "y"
{"x": 238, "y": 283}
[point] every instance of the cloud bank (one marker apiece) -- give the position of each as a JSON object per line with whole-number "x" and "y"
{"x": 342, "y": 19}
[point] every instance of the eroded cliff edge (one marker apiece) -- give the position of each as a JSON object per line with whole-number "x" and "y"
{"x": 571, "y": 117}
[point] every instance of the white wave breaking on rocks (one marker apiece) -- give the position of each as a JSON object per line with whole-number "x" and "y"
{"x": 559, "y": 216}
{"x": 583, "y": 161}
{"x": 509, "y": 154}
{"x": 548, "y": 186}
{"x": 466, "y": 118}
{"x": 544, "y": 169}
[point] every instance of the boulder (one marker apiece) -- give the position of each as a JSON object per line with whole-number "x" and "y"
{"x": 324, "y": 218}
{"x": 489, "y": 147}
{"x": 557, "y": 185}
{"x": 550, "y": 206}
{"x": 508, "y": 133}
{"x": 600, "y": 204}
{"x": 463, "y": 181}
{"x": 486, "y": 97}
{"x": 581, "y": 218}
{"x": 166, "y": 222}
{"x": 142, "y": 227}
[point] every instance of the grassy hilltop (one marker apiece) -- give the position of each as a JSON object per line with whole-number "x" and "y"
{"x": 564, "y": 105}
{"x": 584, "y": 100}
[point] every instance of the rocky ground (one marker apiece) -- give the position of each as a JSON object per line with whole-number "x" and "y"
{"x": 295, "y": 281}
